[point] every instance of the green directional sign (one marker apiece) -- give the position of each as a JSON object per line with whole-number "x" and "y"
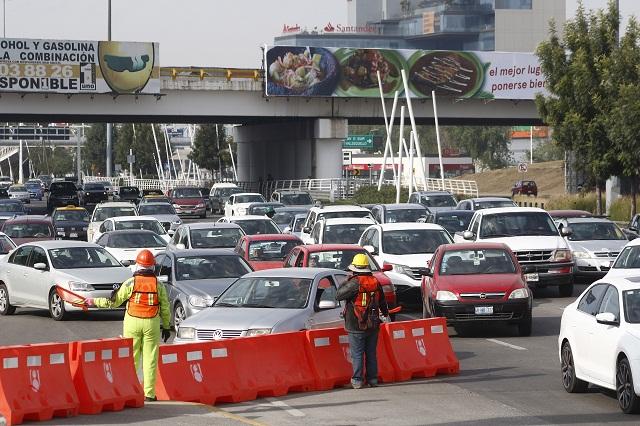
{"x": 358, "y": 141}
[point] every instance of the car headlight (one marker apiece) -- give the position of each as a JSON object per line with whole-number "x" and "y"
{"x": 562, "y": 255}
{"x": 200, "y": 302}
{"x": 445, "y": 296}
{"x": 242, "y": 210}
{"x": 519, "y": 293}
{"x": 80, "y": 286}
{"x": 201, "y": 205}
{"x": 177, "y": 222}
{"x": 402, "y": 269}
{"x": 60, "y": 229}
{"x": 175, "y": 206}
{"x": 581, "y": 255}
{"x": 187, "y": 333}
{"x": 85, "y": 229}
{"x": 258, "y": 331}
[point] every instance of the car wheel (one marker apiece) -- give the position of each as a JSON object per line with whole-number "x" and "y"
{"x": 565, "y": 290}
{"x": 5, "y": 305}
{"x": 628, "y": 401}
{"x": 569, "y": 380}
{"x": 56, "y": 306}
{"x": 525, "y": 325}
{"x": 179, "y": 315}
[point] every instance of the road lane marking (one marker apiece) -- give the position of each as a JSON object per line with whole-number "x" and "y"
{"x": 294, "y": 412}
{"x": 509, "y": 345}
{"x": 216, "y": 410}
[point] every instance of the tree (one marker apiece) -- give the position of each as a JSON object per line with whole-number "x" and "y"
{"x": 489, "y": 145}
{"x": 141, "y": 142}
{"x": 207, "y": 140}
{"x": 579, "y": 103}
{"x": 546, "y": 151}
{"x": 57, "y": 161}
{"x": 94, "y": 149}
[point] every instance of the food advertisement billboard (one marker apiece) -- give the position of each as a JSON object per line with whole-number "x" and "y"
{"x": 76, "y": 66}
{"x": 352, "y": 73}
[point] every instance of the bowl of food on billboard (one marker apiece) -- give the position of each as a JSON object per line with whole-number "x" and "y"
{"x": 126, "y": 67}
{"x": 455, "y": 74}
{"x": 301, "y": 71}
{"x": 359, "y": 72}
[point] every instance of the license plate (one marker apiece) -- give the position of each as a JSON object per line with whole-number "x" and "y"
{"x": 484, "y": 310}
{"x": 188, "y": 211}
{"x": 73, "y": 235}
{"x": 531, "y": 277}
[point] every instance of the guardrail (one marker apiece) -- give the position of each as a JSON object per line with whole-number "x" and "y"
{"x": 455, "y": 186}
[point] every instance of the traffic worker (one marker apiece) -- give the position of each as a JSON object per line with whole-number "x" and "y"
{"x": 365, "y": 304}
{"x": 147, "y": 305}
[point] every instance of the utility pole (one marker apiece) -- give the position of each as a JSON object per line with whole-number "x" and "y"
{"x": 109, "y": 125}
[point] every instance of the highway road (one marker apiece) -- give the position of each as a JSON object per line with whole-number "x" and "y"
{"x": 504, "y": 380}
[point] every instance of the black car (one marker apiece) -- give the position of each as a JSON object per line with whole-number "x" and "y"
{"x": 453, "y": 220}
{"x": 92, "y": 193}
{"x": 71, "y": 223}
{"x": 129, "y": 193}
{"x": 4, "y": 193}
{"x": 62, "y": 194}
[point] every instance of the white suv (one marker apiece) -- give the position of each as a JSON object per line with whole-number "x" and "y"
{"x": 104, "y": 211}
{"x": 237, "y": 204}
{"x": 331, "y": 212}
{"x": 344, "y": 230}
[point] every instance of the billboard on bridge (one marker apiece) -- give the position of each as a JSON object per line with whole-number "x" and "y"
{"x": 76, "y": 66}
{"x": 352, "y": 73}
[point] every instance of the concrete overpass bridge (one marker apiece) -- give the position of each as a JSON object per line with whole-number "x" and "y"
{"x": 284, "y": 137}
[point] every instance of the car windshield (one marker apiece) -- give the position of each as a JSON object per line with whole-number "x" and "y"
{"x": 33, "y": 185}
{"x": 271, "y": 250}
{"x": 94, "y": 187}
{"x": 6, "y": 245}
{"x": 629, "y": 258}
{"x": 147, "y": 225}
{"x": 631, "y": 305}
{"x": 210, "y": 267}
{"x": 517, "y": 224}
{"x": 343, "y": 234}
{"x": 71, "y": 216}
{"x": 27, "y": 230}
{"x": 156, "y": 209}
{"x": 338, "y": 259}
{"x": 258, "y": 226}
{"x": 438, "y": 200}
{"x": 82, "y": 257}
{"x": 479, "y": 205}
{"x": 187, "y": 193}
{"x": 302, "y": 199}
{"x": 104, "y": 213}
{"x": 271, "y": 292}
{"x": 344, "y": 214}
{"x": 283, "y": 218}
{"x": 482, "y": 261}
{"x": 215, "y": 237}
{"x": 249, "y": 199}
{"x": 260, "y": 210}
{"x": 129, "y": 191}
{"x": 404, "y": 215}
{"x": 586, "y": 231}
{"x": 136, "y": 240}
{"x": 225, "y": 192}
{"x": 63, "y": 188}
{"x": 17, "y": 188}
{"x": 11, "y": 207}
{"x": 454, "y": 223}
{"x": 413, "y": 241}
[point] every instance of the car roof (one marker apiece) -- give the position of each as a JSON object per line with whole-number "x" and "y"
{"x": 314, "y": 248}
{"x": 433, "y": 193}
{"x": 247, "y": 217}
{"x": 115, "y": 204}
{"x": 209, "y": 225}
{"x": 490, "y": 199}
{"x": 349, "y": 221}
{"x": 499, "y": 210}
{"x": 290, "y": 191}
{"x": 474, "y": 246}
{"x": 569, "y": 213}
{"x": 622, "y": 283}
{"x": 202, "y": 252}
{"x": 155, "y": 204}
{"x": 128, "y": 218}
{"x": 291, "y": 209}
{"x": 30, "y": 218}
{"x": 224, "y": 185}
{"x": 52, "y": 244}
{"x": 69, "y": 208}
{"x": 409, "y": 226}
{"x": 271, "y": 237}
{"x": 245, "y": 193}
{"x": 309, "y": 273}
{"x": 587, "y": 220}
{"x": 130, "y": 231}
{"x": 454, "y": 212}
{"x": 340, "y": 208}
{"x": 402, "y": 206}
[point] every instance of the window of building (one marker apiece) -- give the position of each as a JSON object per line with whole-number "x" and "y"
{"x": 514, "y": 4}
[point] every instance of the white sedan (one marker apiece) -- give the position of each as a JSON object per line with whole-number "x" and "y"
{"x": 627, "y": 264}
{"x": 122, "y": 223}
{"x": 237, "y": 204}
{"x": 599, "y": 340}
{"x": 125, "y": 245}
{"x": 252, "y": 225}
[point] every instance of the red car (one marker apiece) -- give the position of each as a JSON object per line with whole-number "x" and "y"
{"x": 188, "y": 201}
{"x": 474, "y": 282}
{"x": 525, "y": 187}
{"x": 266, "y": 251}
{"x": 339, "y": 256}
{"x": 29, "y": 228}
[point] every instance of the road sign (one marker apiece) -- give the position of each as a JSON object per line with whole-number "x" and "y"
{"x": 131, "y": 159}
{"x": 522, "y": 167}
{"x": 346, "y": 158}
{"x": 358, "y": 141}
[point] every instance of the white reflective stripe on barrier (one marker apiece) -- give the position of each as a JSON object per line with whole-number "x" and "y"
{"x": 194, "y": 356}
{"x": 123, "y": 352}
{"x": 437, "y": 329}
{"x": 169, "y": 358}
{"x": 417, "y": 332}
{"x": 89, "y": 356}
{"x": 219, "y": 353}
{"x": 344, "y": 339}
{"x": 321, "y": 341}
{"x": 8, "y": 363}
{"x": 398, "y": 334}
{"x": 34, "y": 361}
{"x": 106, "y": 354}
{"x": 56, "y": 359}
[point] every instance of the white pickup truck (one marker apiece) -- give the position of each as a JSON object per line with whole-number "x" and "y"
{"x": 533, "y": 237}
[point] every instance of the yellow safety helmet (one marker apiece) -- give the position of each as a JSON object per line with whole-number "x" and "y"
{"x": 360, "y": 263}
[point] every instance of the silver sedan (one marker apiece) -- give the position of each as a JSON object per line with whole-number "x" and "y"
{"x": 269, "y": 301}
{"x": 29, "y": 275}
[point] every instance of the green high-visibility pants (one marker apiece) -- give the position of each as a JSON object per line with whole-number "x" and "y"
{"x": 145, "y": 333}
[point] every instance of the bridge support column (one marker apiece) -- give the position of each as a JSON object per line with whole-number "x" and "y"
{"x": 327, "y": 155}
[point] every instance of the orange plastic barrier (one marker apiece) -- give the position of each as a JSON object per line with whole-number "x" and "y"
{"x": 104, "y": 375}
{"x": 35, "y": 383}
{"x": 329, "y": 357}
{"x": 419, "y": 348}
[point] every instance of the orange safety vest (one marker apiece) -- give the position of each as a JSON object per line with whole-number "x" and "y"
{"x": 144, "y": 302}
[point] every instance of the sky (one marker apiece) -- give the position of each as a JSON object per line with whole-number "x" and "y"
{"x": 216, "y": 33}
{"x": 627, "y": 8}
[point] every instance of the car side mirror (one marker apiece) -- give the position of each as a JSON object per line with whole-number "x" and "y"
{"x": 180, "y": 246}
{"x": 164, "y": 279}
{"x": 306, "y": 230}
{"x": 171, "y": 232}
{"x": 327, "y": 304}
{"x": 370, "y": 249}
{"x": 607, "y": 318}
{"x": 387, "y": 267}
{"x": 468, "y": 235}
{"x": 128, "y": 262}
{"x": 426, "y": 272}
{"x": 40, "y": 266}
{"x": 566, "y": 231}
{"x": 633, "y": 228}
{"x": 286, "y": 230}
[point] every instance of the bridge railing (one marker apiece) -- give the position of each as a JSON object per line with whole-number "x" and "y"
{"x": 455, "y": 186}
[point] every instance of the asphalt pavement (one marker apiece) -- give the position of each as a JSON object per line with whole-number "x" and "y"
{"x": 504, "y": 380}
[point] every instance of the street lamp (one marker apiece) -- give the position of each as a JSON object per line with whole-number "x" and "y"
{"x": 109, "y": 125}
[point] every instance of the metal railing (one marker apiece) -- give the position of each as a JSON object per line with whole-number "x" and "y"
{"x": 463, "y": 187}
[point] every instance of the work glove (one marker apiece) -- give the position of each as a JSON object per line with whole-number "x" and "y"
{"x": 165, "y": 335}
{"x": 89, "y": 302}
